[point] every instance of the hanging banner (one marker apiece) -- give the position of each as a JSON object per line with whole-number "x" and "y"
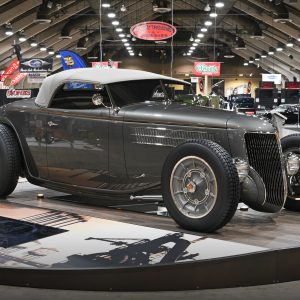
{"x": 201, "y": 85}
{"x": 105, "y": 65}
{"x": 207, "y": 68}
{"x": 13, "y": 94}
{"x": 17, "y": 78}
{"x": 36, "y": 65}
{"x": 153, "y": 31}
{"x": 293, "y": 85}
{"x": 249, "y": 87}
{"x": 14, "y": 66}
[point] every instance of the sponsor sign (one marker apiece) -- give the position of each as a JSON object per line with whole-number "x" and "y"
{"x": 36, "y": 77}
{"x": 207, "y": 68}
{"x": 17, "y": 78}
{"x": 36, "y": 65}
{"x": 153, "y": 31}
{"x": 276, "y": 78}
{"x": 14, "y": 66}
{"x": 105, "y": 64}
{"x": 12, "y": 94}
{"x": 194, "y": 79}
{"x": 294, "y": 85}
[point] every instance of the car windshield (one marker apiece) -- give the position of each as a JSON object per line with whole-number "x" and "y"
{"x": 136, "y": 91}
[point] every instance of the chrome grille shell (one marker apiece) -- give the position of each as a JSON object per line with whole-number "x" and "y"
{"x": 265, "y": 156}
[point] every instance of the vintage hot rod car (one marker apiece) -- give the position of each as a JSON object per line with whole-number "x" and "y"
{"x": 110, "y": 133}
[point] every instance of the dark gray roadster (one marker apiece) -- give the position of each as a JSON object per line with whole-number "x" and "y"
{"x": 116, "y": 133}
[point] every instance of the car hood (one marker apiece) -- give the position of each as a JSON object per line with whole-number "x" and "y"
{"x": 182, "y": 114}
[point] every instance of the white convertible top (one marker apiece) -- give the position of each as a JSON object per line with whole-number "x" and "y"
{"x": 91, "y": 75}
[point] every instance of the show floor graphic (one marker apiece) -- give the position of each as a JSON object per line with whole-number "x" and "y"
{"x": 39, "y": 238}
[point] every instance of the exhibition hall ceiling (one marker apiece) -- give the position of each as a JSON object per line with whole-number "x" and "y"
{"x": 263, "y": 31}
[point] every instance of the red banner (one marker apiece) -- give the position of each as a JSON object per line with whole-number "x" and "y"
{"x": 18, "y": 94}
{"x": 265, "y": 85}
{"x": 105, "y": 64}
{"x": 17, "y": 78}
{"x": 207, "y": 68}
{"x": 14, "y": 66}
{"x": 153, "y": 30}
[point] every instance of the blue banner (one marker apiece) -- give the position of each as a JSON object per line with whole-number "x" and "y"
{"x": 71, "y": 60}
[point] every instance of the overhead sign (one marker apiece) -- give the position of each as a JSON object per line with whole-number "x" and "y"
{"x": 14, "y": 66}
{"x": 36, "y": 65}
{"x": 276, "y": 78}
{"x": 12, "y": 94}
{"x": 207, "y": 68}
{"x": 153, "y": 30}
{"x": 105, "y": 65}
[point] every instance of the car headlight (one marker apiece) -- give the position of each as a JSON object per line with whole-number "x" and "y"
{"x": 292, "y": 164}
{"x": 242, "y": 168}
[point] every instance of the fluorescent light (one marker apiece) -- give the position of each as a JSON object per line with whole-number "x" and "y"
{"x": 115, "y": 23}
{"x": 111, "y": 15}
{"x": 208, "y": 23}
{"x": 119, "y": 29}
{"x": 213, "y": 15}
{"x": 219, "y": 4}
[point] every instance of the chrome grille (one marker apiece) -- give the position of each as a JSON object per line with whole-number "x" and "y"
{"x": 264, "y": 156}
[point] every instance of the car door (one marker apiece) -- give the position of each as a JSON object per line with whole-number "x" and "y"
{"x": 77, "y": 145}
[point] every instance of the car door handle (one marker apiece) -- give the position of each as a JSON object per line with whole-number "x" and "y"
{"x": 50, "y": 123}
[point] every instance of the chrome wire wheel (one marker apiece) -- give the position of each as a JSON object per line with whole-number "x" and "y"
{"x": 193, "y": 187}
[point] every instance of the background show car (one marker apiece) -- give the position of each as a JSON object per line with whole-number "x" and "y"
{"x": 129, "y": 133}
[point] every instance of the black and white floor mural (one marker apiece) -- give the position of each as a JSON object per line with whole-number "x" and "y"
{"x": 40, "y": 238}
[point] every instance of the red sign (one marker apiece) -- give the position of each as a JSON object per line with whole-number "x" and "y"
{"x": 14, "y": 66}
{"x": 207, "y": 68}
{"x": 266, "y": 85}
{"x": 105, "y": 64}
{"x": 153, "y": 31}
{"x": 18, "y": 94}
{"x": 17, "y": 78}
{"x": 294, "y": 85}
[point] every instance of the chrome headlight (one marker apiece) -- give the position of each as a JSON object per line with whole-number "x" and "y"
{"x": 242, "y": 168}
{"x": 292, "y": 164}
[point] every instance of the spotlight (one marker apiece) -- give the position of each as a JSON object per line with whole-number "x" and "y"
{"x": 191, "y": 38}
{"x": 123, "y": 8}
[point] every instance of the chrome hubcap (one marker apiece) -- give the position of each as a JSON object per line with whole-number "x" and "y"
{"x": 193, "y": 187}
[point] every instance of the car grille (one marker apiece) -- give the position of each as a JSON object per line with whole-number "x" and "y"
{"x": 264, "y": 155}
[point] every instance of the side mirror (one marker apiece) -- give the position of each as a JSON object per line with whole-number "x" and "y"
{"x": 97, "y": 99}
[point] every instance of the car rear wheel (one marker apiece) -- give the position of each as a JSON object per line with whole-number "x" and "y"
{"x": 291, "y": 145}
{"x": 200, "y": 186}
{"x": 10, "y": 161}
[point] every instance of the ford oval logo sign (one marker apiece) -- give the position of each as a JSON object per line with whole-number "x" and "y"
{"x": 153, "y": 31}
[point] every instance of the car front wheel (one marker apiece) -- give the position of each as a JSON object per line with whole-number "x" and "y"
{"x": 200, "y": 186}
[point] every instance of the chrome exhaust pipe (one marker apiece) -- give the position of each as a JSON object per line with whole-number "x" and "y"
{"x": 147, "y": 197}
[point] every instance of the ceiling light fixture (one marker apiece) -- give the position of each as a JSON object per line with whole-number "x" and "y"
{"x": 290, "y": 43}
{"x": 191, "y": 38}
{"x": 207, "y": 7}
{"x": 213, "y": 15}
{"x": 200, "y": 35}
{"x": 121, "y": 35}
{"x": 193, "y": 48}
{"x": 204, "y": 29}
{"x": 124, "y": 40}
{"x": 251, "y": 60}
{"x": 126, "y": 44}
{"x": 115, "y": 23}
{"x": 195, "y": 44}
{"x": 22, "y": 38}
{"x": 197, "y": 40}
{"x": 208, "y": 23}
{"x": 111, "y": 15}
{"x": 131, "y": 54}
{"x": 271, "y": 51}
{"x": 119, "y": 29}
{"x": 8, "y": 30}
{"x": 246, "y": 64}
{"x": 58, "y": 55}
{"x": 33, "y": 44}
{"x": 43, "y": 48}
{"x": 140, "y": 53}
{"x": 51, "y": 51}
{"x": 105, "y": 4}
{"x": 279, "y": 48}
{"x": 219, "y": 4}
{"x": 123, "y": 8}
